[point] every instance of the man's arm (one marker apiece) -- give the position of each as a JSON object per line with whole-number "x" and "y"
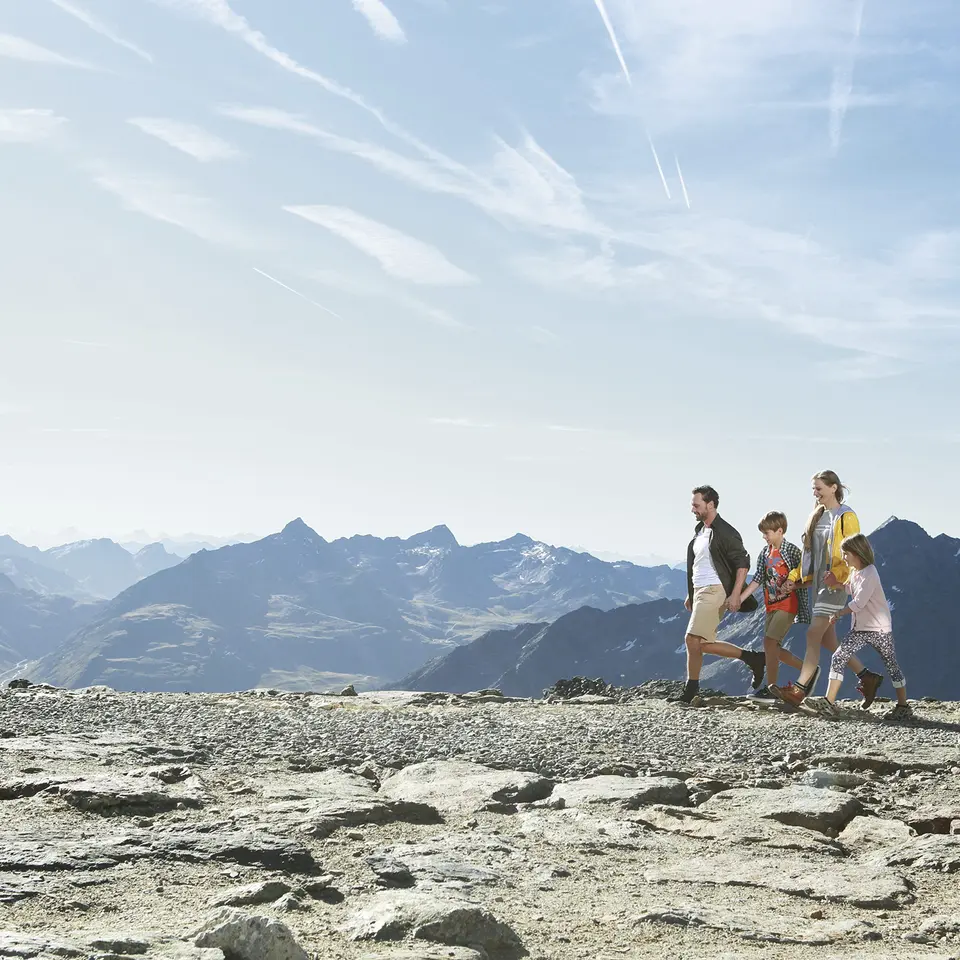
{"x": 735, "y": 598}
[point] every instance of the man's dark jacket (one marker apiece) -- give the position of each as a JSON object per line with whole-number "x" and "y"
{"x": 728, "y": 554}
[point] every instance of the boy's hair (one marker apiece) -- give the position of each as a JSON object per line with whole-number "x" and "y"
{"x": 860, "y": 547}
{"x": 774, "y": 520}
{"x": 708, "y": 493}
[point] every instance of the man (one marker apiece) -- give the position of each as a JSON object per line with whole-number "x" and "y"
{"x": 717, "y": 566}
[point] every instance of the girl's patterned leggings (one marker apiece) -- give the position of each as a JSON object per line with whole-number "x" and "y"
{"x": 855, "y": 641}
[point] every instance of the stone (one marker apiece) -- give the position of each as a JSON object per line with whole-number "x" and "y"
{"x": 861, "y": 762}
{"x": 859, "y": 885}
{"x": 130, "y": 794}
{"x": 937, "y": 928}
{"x": 426, "y": 953}
{"x": 932, "y": 851}
{"x": 22, "y": 945}
{"x": 460, "y": 787}
{"x": 349, "y": 691}
{"x": 461, "y": 862}
{"x": 826, "y": 811}
{"x": 248, "y": 847}
{"x": 22, "y": 787}
{"x": 267, "y": 891}
{"x": 748, "y": 926}
{"x": 121, "y": 944}
{"x": 630, "y": 793}
{"x": 318, "y": 804}
{"x": 866, "y": 833}
{"x": 832, "y": 778}
{"x": 401, "y": 914}
{"x": 290, "y": 903}
{"x": 245, "y": 936}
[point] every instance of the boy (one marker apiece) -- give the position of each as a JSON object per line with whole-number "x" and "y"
{"x": 774, "y": 564}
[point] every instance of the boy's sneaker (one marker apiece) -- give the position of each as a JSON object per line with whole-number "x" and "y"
{"x": 762, "y": 694}
{"x": 868, "y": 686}
{"x": 757, "y": 662}
{"x": 902, "y": 711}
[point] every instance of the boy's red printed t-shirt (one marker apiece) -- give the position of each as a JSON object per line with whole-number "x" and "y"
{"x": 776, "y": 574}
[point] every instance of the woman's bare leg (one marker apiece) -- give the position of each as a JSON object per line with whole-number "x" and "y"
{"x": 815, "y": 634}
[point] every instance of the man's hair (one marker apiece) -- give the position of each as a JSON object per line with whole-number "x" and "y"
{"x": 774, "y": 520}
{"x": 860, "y": 547}
{"x": 708, "y": 493}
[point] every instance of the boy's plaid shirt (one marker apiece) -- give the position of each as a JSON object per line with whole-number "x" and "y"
{"x": 791, "y": 555}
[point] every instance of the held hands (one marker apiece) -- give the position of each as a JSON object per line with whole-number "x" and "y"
{"x": 733, "y": 603}
{"x": 789, "y": 586}
{"x": 831, "y": 581}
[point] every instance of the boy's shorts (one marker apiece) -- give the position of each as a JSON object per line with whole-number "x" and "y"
{"x": 709, "y": 605}
{"x": 778, "y": 624}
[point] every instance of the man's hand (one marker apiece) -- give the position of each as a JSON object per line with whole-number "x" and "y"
{"x": 831, "y": 581}
{"x": 733, "y": 602}
{"x": 686, "y": 603}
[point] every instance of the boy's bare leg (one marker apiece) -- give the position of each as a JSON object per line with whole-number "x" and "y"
{"x": 771, "y": 650}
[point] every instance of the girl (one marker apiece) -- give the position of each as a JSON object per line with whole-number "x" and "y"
{"x": 871, "y": 625}
{"x": 823, "y": 567}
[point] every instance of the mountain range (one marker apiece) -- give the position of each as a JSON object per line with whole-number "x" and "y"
{"x": 628, "y": 645}
{"x": 295, "y": 610}
{"x": 85, "y": 569}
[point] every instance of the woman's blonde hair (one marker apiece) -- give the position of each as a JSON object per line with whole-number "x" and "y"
{"x": 831, "y": 480}
{"x": 859, "y": 546}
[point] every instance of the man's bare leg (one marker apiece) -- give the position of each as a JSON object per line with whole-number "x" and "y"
{"x": 694, "y": 655}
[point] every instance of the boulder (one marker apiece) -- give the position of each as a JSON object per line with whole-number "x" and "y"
{"x": 245, "y": 936}
{"x": 627, "y": 792}
{"x": 267, "y": 891}
{"x": 458, "y": 787}
{"x": 459, "y": 923}
{"x": 826, "y": 811}
{"x": 130, "y": 794}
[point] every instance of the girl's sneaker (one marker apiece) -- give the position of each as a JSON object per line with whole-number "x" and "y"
{"x": 869, "y": 685}
{"x": 824, "y": 707}
{"x": 902, "y": 711}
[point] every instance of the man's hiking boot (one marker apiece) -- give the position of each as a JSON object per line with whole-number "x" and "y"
{"x": 691, "y": 693}
{"x": 902, "y": 711}
{"x": 757, "y": 662}
{"x": 869, "y": 685}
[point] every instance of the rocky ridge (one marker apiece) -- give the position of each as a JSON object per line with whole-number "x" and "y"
{"x": 287, "y": 826}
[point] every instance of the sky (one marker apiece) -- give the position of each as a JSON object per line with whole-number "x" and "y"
{"x": 533, "y": 266}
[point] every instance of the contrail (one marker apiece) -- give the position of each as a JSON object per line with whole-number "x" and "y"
{"x": 842, "y": 86}
{"x": 280, "y": 283}
{"x": 613, "y": 38}
{"x": 683, "y": 185}
{"x": 656, "y": 160}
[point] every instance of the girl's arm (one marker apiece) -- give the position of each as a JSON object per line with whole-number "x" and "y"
{"x": 845, "y": 612}
{"x": 868, "y": 583}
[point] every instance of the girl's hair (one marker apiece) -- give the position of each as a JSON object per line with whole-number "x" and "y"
{"x": 860, "y": 547}
{"x": 831, "y": 480}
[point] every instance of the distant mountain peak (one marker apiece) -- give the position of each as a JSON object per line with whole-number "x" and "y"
{"x": 298, "y": 529}
{"x": 438, "y": 536}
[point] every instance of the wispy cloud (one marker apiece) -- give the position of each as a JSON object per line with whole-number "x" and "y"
{"x": 399, "y": 254}
{"x": 98, "y": 26}
{"x": 189, "y": 139}
{"x": 463, "y": 422}
{"x": 842, "y": 87}
{"x": 28, "y": 126}
{"x": 17, "y": 48}
{"x": 383, "y": 23}
{"x": 608, "y": 23}
{"x": 436, "y": 315}
{"x": 521, "y": 184}
{"x": 302, "y": 296}
{"x": 683, "y": 184}
{"x": 166, "y": 202}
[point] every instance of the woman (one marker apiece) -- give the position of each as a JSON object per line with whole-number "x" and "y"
{"x": 822, "y": 566}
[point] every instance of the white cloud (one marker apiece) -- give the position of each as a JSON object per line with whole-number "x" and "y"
{"x": 400, "y": 255}
{"x": 166, "y": 202}
{"x": 16, "y": 48}
{"x": 28, "y": 126}
{"x": 98, "y": 26}
{"x": 302, "y": 296}
{"x": 189, "y": 139}
{"x": 521, "y": 184}
{"x": 383, "y": 23}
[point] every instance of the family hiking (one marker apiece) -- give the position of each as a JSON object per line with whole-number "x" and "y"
{"x": 832, "y": 574}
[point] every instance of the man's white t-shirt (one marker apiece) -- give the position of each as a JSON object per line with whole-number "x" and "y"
{"x": 704, "y": 572}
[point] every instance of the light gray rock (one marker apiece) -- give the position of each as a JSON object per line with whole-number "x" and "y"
{"x": 22, "y": 945}
{"x": 400, "y": 914}
{"x": 824, "y": 779}
{"x": 932, "y": 851}
{"x": 317, "y": 804}
{"x": 126, "y": 794}
{"x": 859, "y": 885}
{"x": 824, "y": 810}
{"x": 749, "y": 926}
{"x": 939, "y": 928}
{"x": 865, "y": 834}
{"x": 426, "y": 953}
{"x": 457, "y": 861}
{"x": 267, "y": 891}
{"x": 123, "y": 944}
{"x": 245, "y": 936}
{"x": 187, "y": 951}
{"x": 459, "y": 787}
{"x": 629, "y": 793}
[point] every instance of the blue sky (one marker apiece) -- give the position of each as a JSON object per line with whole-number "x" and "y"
{"x": 391, "y": 264}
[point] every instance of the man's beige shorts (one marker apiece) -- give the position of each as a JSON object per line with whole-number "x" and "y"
{"x": 778, "y": 624}
{"x": 709, "y": 604}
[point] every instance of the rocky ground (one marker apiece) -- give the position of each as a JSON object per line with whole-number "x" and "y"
{"x": 267, "y": 826}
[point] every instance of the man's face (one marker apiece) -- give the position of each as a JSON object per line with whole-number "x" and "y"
{"x": 699, "y": 507}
